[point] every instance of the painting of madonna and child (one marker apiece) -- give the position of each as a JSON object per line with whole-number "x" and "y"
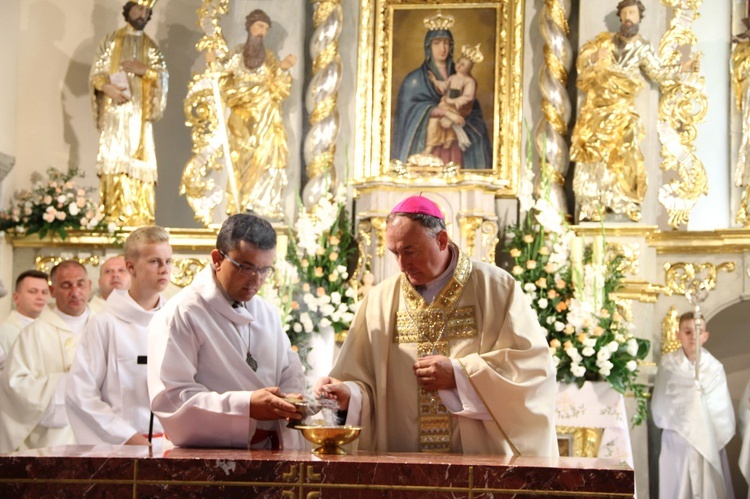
{"x": 443, "y": 85}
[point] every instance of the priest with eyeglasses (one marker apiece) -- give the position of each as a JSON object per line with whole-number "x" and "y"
{"x": 220, "y": 365}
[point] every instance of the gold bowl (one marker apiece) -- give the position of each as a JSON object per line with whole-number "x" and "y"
{"x": 330, "y": 438}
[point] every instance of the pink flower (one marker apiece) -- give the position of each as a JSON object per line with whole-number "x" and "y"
{"x": 49, "y": 217}
{"x": 60, "y": 215}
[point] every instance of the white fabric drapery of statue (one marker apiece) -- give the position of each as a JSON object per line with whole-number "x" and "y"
{"x": 597, "y": 405}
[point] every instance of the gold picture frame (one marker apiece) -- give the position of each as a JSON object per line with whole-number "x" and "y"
{"x": 393, "y": 34}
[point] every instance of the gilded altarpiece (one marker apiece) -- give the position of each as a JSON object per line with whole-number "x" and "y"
{"x": 411, "y": 56}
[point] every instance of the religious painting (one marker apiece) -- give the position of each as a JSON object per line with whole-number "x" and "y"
{"x": 445, "y": 80}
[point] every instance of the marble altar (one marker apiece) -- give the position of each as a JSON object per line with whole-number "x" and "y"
{"x": 120, "y": 471}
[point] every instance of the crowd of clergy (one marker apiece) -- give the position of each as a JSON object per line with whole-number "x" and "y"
{"x": 128, "y": 367}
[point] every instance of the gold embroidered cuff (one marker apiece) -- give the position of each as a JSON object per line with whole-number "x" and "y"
{"x": 150, "y": 75}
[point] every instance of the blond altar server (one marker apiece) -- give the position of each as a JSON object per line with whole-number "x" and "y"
{"x": 697, "y": 418}
{"x": 128, "y": 86}
{"x": 744, "y": 425}
{"x": 33, "y": 382}
{"x": 446, "y": 356}
{"x": 219, "y": 361}
{"x": 107, "y": 395}
{"x": 30, "y": 297}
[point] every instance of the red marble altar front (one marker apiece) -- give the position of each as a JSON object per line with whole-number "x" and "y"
{"x": 86, "y": 471}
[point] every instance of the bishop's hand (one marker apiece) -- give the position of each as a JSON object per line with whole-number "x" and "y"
{"x": 435, "y": 372}
{"x": 115, "y": 92}
{"x": 334, "y": 389}
{"x": 268, "y": 404}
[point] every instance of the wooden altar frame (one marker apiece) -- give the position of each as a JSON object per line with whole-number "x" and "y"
{"x": 380, "y": 22}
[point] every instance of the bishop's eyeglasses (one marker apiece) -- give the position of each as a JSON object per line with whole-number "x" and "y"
{"x": 249, "y": 270}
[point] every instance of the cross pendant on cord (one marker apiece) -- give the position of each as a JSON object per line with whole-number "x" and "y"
{"x": 250, "y": 361}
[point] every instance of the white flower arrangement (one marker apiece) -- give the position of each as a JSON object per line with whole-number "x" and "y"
{"x": 54, "y": 206}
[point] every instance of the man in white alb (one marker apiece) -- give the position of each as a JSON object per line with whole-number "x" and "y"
{"x": 113, "y": 274}
{"x": 33, "y": 381}
{"x": 107, "y": 394}
{"x": 219, "y": 363}
{"x": 30, "y": 298}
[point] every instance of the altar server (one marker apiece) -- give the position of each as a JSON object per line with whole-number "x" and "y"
{"x": 33, "y": 382}
{"x": 30, "y": 297}
{"x": 697, "y": 419}
{"x": 446, "y": 356}
{"x": 219, "y": 361}
{"x": 107, "y": 395}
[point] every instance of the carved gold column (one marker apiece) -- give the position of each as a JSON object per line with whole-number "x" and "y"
{"x": 553, "y": 79}
{"x": 320, "y": 101}
{"x": 682, "y": 105}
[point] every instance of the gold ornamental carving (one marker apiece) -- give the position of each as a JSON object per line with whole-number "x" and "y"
{"x": 489, "y": 240}
{"x": 669, "y": 327}
{"x": 468, "y": 225}
{"x": 552, "y": 129}
{"x": 630, "y": 253}
{"x": 692, "y": 278}
{"x": 582, "y": 442}
{"x": 378, "y": 226}
{"x": 184, "y": 270}
{"x": 322, "y": 95}
{"x": 682, "y": 105}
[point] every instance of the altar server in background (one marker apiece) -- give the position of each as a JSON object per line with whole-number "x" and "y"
{"x": 697, "y": 419}
{"x": 446, "y": 356}
{"x": 107, "y": 395}
{"x": 113, "y": 274}
{"x": 33, "y": 382}
{"x": 30, "y": 298}
{"x": 219, "y": 361}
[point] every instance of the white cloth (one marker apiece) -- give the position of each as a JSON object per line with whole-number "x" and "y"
{"x": 597, "y": 405}
{"x": 199, "y": 383}
{"x": 9, "y": 332}
{"x": 744, "y": 426}
{"x": 96, "y": 304}
{"x": 698, "y": 422}
{"x": 32, "y": 385}
{"x": 107, "y": 393}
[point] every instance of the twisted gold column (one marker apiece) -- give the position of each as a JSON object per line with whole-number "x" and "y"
{"x": 553, "y": 79}
{"x": 320, "y": 101}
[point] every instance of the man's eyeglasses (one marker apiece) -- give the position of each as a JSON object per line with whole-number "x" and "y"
{"x": 248, "y": 270}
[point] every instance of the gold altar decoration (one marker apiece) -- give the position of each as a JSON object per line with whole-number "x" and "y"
{"x": 551, "y": 142}
{"x": 741, "y": 87}
{"x": 579, "y": 442}
{"x": 322, "y": 93}
{"x": 682, "y": 105}
{"x": 184, "y": 270}
{"x": 669, "y": 327}
{"x": 391, "y": 42}
{"x": 47, "y": 263}
{"x": 685, "y": 278}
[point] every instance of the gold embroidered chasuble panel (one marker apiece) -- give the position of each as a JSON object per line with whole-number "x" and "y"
{"x": 432, "y": 327}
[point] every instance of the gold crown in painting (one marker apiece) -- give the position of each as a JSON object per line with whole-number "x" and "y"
{"x": 439, "y": 22}
{"x": 472, "y": 53}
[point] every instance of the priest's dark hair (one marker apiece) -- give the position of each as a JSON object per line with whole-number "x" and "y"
{"x": 245, "y": 227}
{"x": 126, "y": 11}
{"x": 630, "y": 3}
{"x": 36, "y": 274}
{"x": 433, "y": 225}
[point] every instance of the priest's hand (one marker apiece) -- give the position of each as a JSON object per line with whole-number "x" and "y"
{"x": 137, "y": 439}
{"x": 332, "y": 388}
{"x": 268, "y": 403}
{"x": 435, "y": 372}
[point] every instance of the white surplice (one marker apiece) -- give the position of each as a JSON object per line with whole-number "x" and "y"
{"x": 744, "y": 426}
{"x": 698, "y": 422}
{"x": 199, "y": 382}
{"x": 107, "y": 394}
{"x": 96, "y": 303}
{"x": 33, "y": 385}
{"x": 9, "y": 332}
